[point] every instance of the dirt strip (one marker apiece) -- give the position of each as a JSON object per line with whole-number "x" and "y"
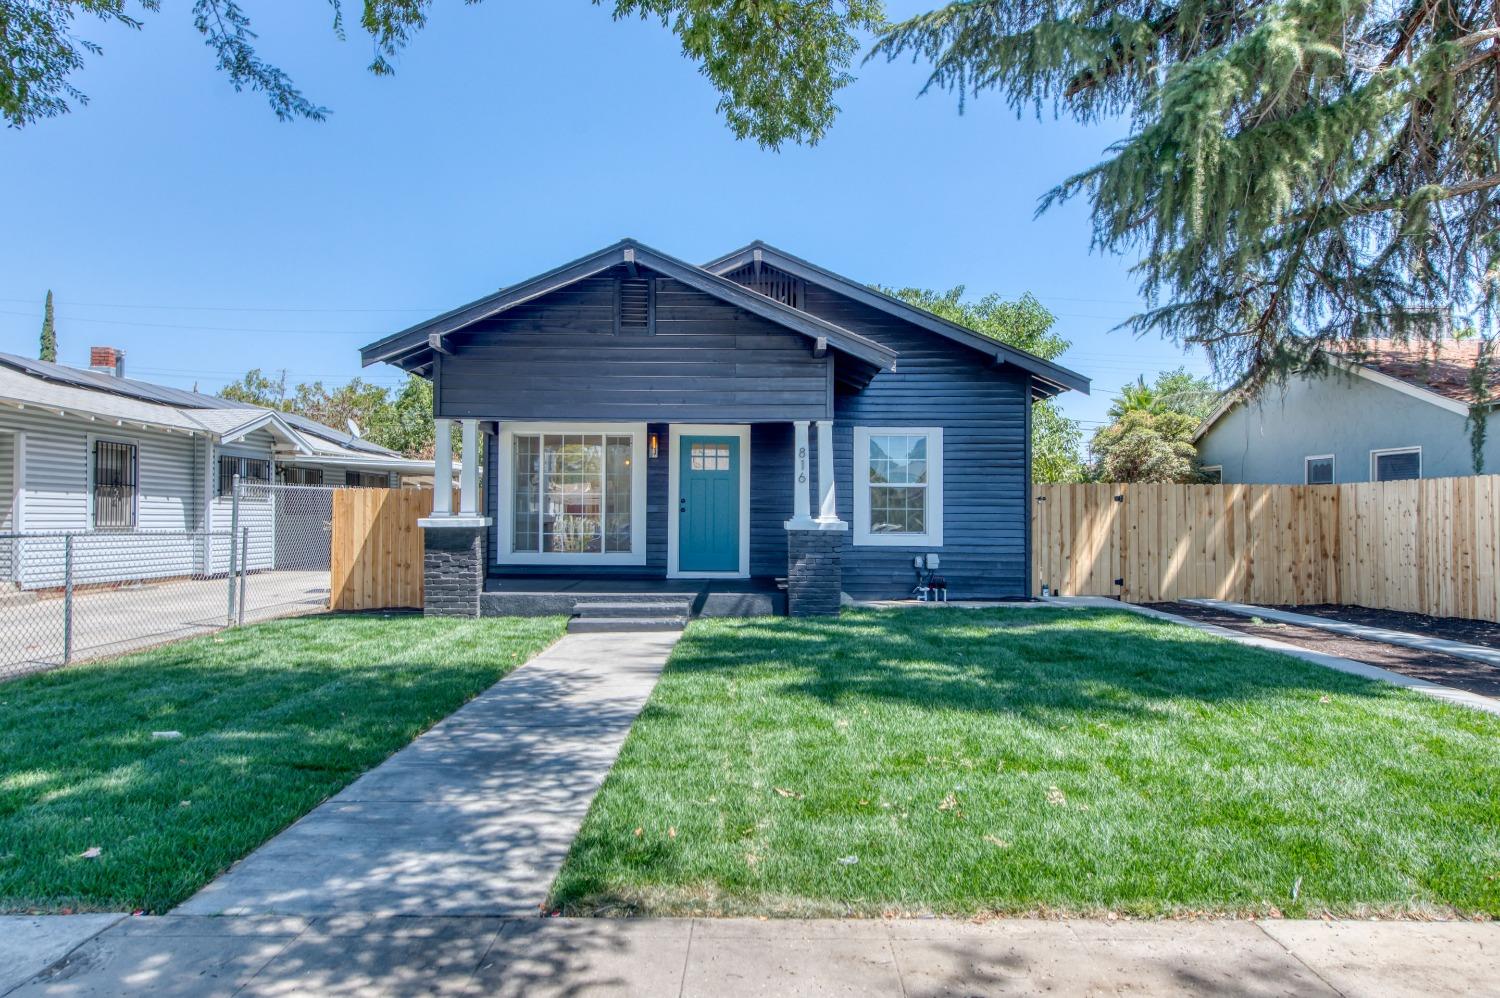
{"x": 1446, "y": 670}
{"x": 1473, "y": 632}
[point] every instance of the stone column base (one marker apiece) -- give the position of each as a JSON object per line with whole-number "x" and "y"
{"x": 452, "y": 566}
{"x": 814, "y": 572}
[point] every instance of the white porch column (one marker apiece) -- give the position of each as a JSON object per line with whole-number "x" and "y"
{"x": 828, "y": 503}
{"x": 801, "y": 513}
{"x": 442, "y": 468}
{"x": 468, "y": 500}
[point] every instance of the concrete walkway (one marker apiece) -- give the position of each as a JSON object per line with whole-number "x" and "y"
{"x": 353, "y": 955}
{"x": 475, "y": 816}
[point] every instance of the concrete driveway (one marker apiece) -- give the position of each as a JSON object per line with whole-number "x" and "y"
{"x": 117, "y": 620}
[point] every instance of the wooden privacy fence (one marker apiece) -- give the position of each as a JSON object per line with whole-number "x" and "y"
{"x": 377, "y": 548}
{"x": 1425, "y": 546}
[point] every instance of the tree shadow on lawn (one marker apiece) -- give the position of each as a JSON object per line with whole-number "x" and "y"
{"x": 1045, "y": 665}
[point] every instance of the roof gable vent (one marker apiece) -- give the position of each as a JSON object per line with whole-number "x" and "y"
{"x": 635, "y": 304}
{"x": 775, "y": 284}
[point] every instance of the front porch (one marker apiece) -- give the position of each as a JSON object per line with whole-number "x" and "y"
{"x": 624, "y": 598}
{"x": 602, "y": 519}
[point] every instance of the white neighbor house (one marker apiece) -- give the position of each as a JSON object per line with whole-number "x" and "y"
{"x": 95, "y": 453}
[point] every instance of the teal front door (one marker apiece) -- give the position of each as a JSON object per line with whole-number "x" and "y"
{"x": 708, "y": 504}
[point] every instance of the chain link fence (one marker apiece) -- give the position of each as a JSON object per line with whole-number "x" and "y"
{"x": 73, "y": 596}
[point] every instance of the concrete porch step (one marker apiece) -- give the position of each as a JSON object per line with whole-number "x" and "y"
{"x": 632, "y": 608}
{"x": 601, "y": 625}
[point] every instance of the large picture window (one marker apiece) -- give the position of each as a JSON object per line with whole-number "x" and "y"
{"x": 574, "y": 494}
{"x": 898, "y": 486}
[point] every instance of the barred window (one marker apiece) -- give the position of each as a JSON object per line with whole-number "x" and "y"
{"x": 302, "y": 476}
{"x": 367, "y": 480}
{"x": 252, "y": 471}
{"x": 114, "y": 485}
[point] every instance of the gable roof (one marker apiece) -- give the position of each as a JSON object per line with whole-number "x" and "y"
{"x": 1057, "y": 377}
{"x": 1435, "y": 373}
{"x": 1442, "y": 368}
{"x": 48, "y": 385}
{"x": 412, "y": 347}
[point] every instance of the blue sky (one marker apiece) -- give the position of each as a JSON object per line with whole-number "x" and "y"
{"x": 180, "y": 221}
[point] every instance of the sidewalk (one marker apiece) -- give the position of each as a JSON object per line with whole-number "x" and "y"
{"x": 475, "y": 816}
{"x": 348, "y": 955}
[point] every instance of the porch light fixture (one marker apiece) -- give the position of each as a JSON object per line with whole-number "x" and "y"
{"x": 653, "y": 445}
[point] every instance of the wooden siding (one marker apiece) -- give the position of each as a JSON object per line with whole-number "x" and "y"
{"x": 560, "y": 358}
{"x": 982, "y": 408}
{"x": 1425, "y": 546}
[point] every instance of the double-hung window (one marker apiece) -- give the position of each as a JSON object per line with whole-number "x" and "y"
{"x": 572, "y": 494}
{"x": 898, "y": 486}
{"x": 114, "y": 485}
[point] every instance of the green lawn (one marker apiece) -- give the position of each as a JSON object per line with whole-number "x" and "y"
{"x": 275, "y": 718}
{"x": 1014, "y": 760}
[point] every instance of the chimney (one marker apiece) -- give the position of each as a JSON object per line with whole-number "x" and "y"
{"x": 107, "y": 360}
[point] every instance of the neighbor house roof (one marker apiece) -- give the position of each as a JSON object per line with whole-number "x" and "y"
{"x": 1435, "y": 372}
{"x": 1443, "y": 368}
{"x": 413, "y": 348}
{"x": 59, "y": 388}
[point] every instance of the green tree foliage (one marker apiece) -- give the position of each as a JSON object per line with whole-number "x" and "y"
{"x": 777, "y": 64}
{"x": 1298, "y": 174}
{"x": 259, "y": 388}
{"x": 398, "y": 419}
{"x": 1149, "y": 436}
{"x": 48, "y": 349}
{"x": 1056, "y": 441}
{"x": 1145, "y": 446}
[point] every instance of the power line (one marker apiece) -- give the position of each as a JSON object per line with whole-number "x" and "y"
{"x": 215, "y": 329}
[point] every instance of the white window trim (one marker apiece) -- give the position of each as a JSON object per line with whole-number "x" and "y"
{"x": 1395, "y": 450}
{"x": 1331, "y": 459}
{"x": 933, "y": 536}
{"x": 1215, "y": 467}
{"x": 135, "y": 500}
{"x": 674, "y": 494}
{"x": 505, "y": 486}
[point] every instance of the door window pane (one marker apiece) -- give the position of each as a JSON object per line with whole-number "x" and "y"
{"x": 709, "y": 457}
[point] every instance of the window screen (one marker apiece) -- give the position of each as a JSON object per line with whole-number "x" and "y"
{"x": 1396, "y": 466}
{"x": 1319, "y": 471}
{"x": 114, "y": 485}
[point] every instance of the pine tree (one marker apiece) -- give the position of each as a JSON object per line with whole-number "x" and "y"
{"x": 1300, "y": 176}
{"x": 49, "y": 332}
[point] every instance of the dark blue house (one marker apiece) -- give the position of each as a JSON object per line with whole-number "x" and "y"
{"x": 652, "y": 427}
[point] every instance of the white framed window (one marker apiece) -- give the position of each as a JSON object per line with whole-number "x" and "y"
{"x": 898, "y": 486}
{"x": 1213, "y": 474}
{"x": 1395, "y": 464}
{"x": 572, "y": 494}
{"x": 1317, "y": 469}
